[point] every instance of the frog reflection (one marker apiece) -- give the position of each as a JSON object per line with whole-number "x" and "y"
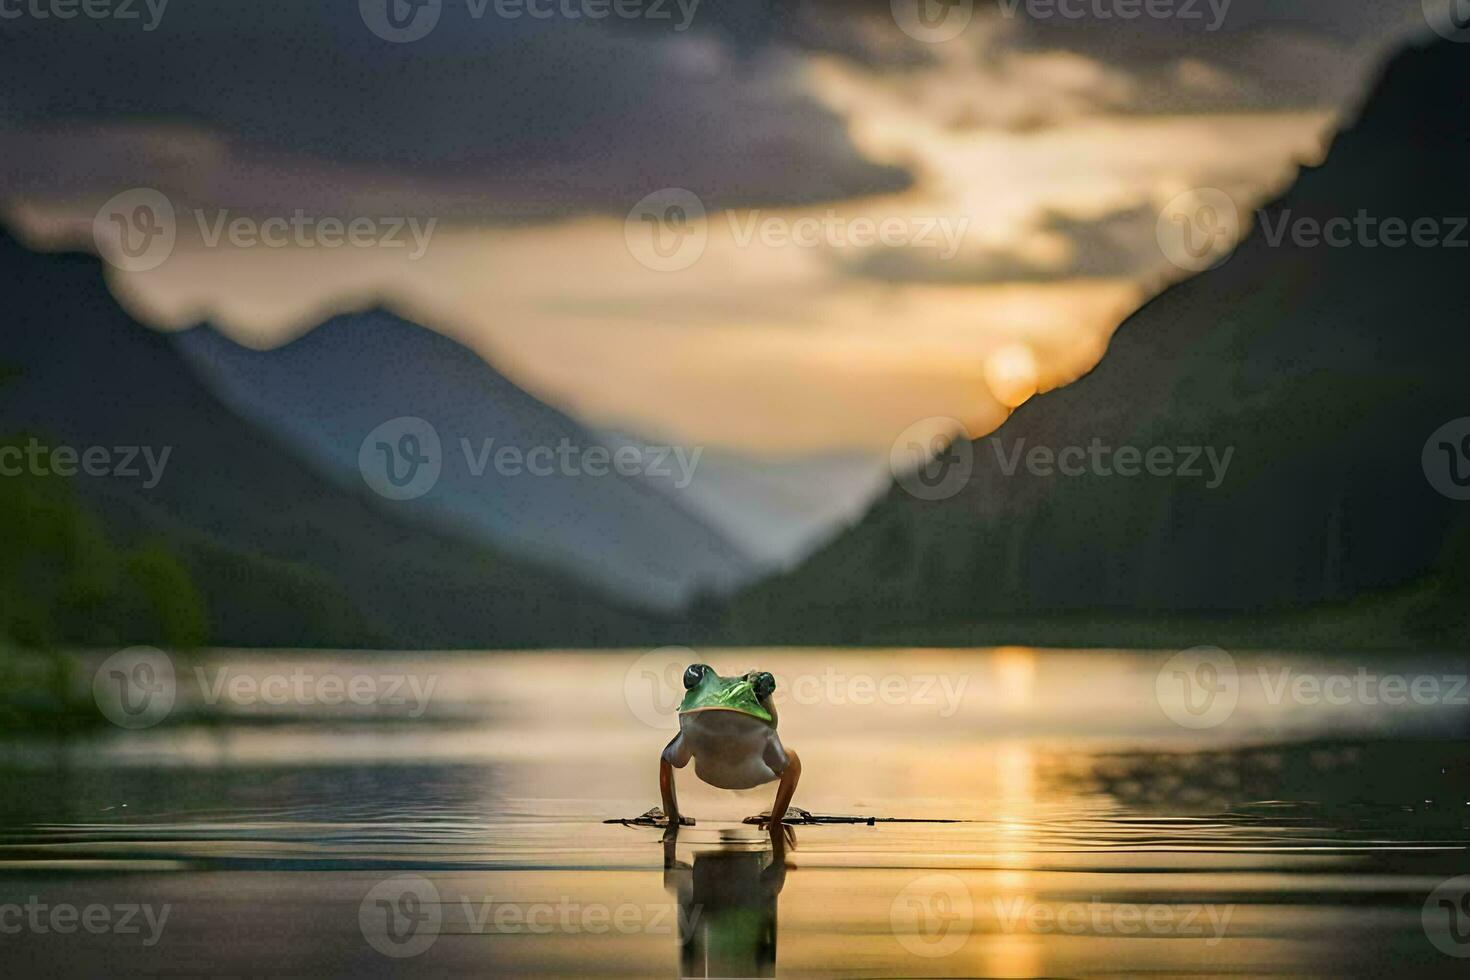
{"x": 727, "y": 908}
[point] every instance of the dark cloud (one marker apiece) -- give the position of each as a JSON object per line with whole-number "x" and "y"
{"x": 1162, "y": 36}
{"x": 1284, "y": 53}
{"x": 561, "y": 110}
{"x": 489, "y": 118}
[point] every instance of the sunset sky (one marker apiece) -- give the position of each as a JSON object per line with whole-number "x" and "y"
{"x": 1022, "y": 168}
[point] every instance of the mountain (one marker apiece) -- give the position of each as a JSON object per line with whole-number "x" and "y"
{"x": 280, "y": 554}
{"x": 628, "y": 533}
{"x": 778, "y": 509}
{"x": 1322, "y": 368}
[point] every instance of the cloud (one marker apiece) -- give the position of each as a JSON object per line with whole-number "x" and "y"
{"x": 1264, "y": 54}
{"x": 1052, "y": 160}
{"x": 534, "y": 117}
{"x": 1056, "y": 144}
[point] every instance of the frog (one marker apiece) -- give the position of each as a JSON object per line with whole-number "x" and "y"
{"x": 727, "y": 727}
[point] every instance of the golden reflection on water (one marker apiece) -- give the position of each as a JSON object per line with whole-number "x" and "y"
{"x": 1017, "y": 955}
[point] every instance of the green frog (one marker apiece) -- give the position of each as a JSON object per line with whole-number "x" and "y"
{"x": 727, "y": 725}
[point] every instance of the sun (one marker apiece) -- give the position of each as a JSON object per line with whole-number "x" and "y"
{"x": 1011, "y": 374}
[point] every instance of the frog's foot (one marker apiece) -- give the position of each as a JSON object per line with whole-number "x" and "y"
{"x": 653, "y": 818}
{"x": 794, "y": 815}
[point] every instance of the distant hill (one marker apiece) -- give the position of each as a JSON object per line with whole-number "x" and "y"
{"x": 627, "y": 534}
{"x": 690, "y": 521}
{"x": 1325, "y": 368}
{"x": 280, "y": 554}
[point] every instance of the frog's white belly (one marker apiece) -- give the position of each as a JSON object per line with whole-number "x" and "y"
{"x": 730, "y": 748}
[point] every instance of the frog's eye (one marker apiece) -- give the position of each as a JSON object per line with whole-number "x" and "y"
{"x": 764, "y": 685}
{"x": 693, "y": 675}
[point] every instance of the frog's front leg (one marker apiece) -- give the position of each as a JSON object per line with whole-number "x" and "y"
{"x": 674, "y": 756}
{"x": 790, "y": 776}
{"x": 786, "y": 765}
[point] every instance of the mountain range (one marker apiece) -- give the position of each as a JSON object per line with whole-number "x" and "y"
{"x": 281, "y": 554}
{"x": 673, "y": 523}
{"x": 265, "y": 491}
{"x": 1321, "y": 368}
{"x": 324, "y": 393}
{"x": 1305, "y": 379}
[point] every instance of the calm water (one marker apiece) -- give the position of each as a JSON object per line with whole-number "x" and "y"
{"x": 1108, "y": 814}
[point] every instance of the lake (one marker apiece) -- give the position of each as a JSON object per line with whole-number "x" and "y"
{"x": 1036, "y": 813}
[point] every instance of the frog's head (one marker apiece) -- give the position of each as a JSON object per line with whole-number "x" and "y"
{"x": 748, "y": 693}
